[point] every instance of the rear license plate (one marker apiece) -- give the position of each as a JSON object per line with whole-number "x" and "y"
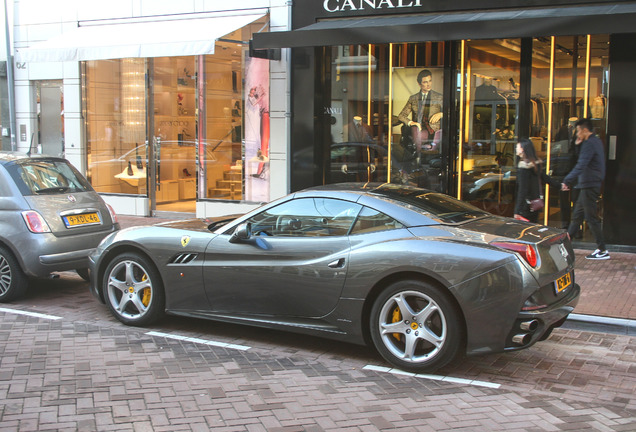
{"x": 563, "y": 282}
{"x": 81, "y": 219}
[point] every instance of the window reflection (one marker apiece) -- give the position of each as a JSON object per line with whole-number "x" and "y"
{"x": 580, "y": 69}
{"x": 115, "y": 107}
{"x": 370, "y": 111}
{"x": 492, "y": 78}
{"x": 208, "y": 136}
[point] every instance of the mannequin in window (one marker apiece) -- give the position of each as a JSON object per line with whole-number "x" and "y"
{"x": 598, "y": 107}
{"x": 486, "y": 91}
{"x": 425, "y": 110}
{"x": 359, "y": 131}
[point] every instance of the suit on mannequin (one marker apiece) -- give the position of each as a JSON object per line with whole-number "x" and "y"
{"x": 359, "y": 131}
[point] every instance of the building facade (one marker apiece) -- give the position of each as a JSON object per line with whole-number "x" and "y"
{"x": 183, "y": 108}
{"x": 497, "y": 71}
{"x": 159, "y": 103}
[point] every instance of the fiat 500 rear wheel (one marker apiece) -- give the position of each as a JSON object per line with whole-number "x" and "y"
{"x": 13, "y": 282}
{"x": 134, "y": 290}
{"x": 415, "y": 327}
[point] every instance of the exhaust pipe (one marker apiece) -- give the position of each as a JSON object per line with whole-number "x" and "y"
{"x": 531, "y": 325}
{"x": 522, "y": 338}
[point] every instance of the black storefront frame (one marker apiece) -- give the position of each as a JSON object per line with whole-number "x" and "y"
{"x": 619, "y": 182}
{"x": 449, "y": 148}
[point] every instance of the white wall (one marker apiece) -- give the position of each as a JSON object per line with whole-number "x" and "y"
{"x": 39, "y": 20}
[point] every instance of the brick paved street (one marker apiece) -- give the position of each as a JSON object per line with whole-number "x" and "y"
{"x": 86, "y": 371}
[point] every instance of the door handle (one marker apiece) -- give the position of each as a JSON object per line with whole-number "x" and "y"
{"x": 339, "y": 263}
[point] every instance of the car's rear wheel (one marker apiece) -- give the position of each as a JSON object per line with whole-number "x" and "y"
{"x": 415, "y": 326}
{"x": 134, "y": 290}
{"x": 13, "y": 281}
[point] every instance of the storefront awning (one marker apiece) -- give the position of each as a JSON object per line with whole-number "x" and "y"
{"x": 165, "y": 38}
{"x": 615, "y": 18}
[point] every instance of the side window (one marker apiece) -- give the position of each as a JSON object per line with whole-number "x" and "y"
{"x": 370, "y": 220}
{"x": 306, "y": 217}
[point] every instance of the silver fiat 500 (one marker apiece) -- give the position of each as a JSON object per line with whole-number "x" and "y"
{"x": 50, "y": 220}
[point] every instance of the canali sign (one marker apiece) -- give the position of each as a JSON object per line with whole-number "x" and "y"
{"x": 360, "y": 5}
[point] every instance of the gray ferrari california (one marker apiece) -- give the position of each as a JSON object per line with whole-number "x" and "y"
{"x": 417, "y": 274}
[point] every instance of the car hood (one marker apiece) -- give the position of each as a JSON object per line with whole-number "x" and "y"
{"x": 56, "y": 209}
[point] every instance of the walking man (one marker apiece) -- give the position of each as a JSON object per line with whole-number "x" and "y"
{"x": 588, "y": 173}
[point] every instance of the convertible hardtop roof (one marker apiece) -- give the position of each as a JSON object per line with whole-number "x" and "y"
{"x": 417, "y": 206}
{"x": 388, "y": 190}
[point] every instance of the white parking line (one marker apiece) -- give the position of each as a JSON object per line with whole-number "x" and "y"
{"x": 433, "y": 377}
{"x": 32, "y": 314}
{"x": 200, "y": 341}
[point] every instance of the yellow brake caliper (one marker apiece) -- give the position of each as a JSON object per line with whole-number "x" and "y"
{"x": 396, "y": 317}
{"x": 145, "y": 299}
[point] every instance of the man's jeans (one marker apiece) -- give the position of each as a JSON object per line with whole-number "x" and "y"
{"x": 586, "y": 208}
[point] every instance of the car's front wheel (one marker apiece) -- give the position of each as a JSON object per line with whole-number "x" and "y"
{"x": 134, "y": 290}
{"x": 13, "y": 281}
{"x": 415, "y": 327}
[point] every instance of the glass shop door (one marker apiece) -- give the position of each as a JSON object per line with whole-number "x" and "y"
{"x": 173, "y": 126}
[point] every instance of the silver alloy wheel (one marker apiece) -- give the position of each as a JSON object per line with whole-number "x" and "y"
{"x": 130, "y": 290}
{"x": 412, "y": 327}
{"x": 5, "y": 275}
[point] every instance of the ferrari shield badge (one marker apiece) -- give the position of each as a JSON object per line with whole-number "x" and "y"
{"x": 185, "y": 240}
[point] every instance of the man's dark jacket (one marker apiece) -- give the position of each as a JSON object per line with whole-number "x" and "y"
{"x": 589, "y": 170}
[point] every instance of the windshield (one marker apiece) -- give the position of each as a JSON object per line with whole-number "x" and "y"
{"x": 438, "y": 206}
{"x": 42, "y": 177}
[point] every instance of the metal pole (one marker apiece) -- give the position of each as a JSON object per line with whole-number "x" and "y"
{"x": 10, "y": 80}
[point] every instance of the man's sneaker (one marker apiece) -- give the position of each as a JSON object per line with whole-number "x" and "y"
{"x": 598, "y": 255}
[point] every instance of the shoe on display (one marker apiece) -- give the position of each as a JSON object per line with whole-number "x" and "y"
{"x": 598, "y": 255}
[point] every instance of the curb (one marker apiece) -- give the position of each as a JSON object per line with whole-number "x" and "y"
{"x": 598, "y": 323}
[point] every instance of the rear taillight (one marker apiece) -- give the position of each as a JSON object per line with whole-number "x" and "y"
{"x": 35, "y": 222}
{"x": 113, "y": 215}
{"x": 527, "y": 251}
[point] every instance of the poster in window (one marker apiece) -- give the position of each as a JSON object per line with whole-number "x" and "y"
{"x": 416, "y": 144}
{"x": 256, "y": 89}
{"x": 418, "y": 104}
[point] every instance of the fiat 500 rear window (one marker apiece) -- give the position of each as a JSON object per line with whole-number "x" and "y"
{"x": 40, "y": 177}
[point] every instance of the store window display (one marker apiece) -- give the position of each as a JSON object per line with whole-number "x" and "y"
{"x": 390, "y": 98}
{"x": 179, "y": 136}
{"x": 491, "y": 123}
{"x": 421, "y": 130}
{"x": 385, "y": 114}
{"x": 422, "y": 113}
{"x": 417, "y": 146}
{"x": 580, "y": 66}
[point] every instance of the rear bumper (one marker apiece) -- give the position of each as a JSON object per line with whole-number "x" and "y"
{"x": 42, "y": 254}
{"x": 64, "y": 258}
{"x": 530, "y": 326}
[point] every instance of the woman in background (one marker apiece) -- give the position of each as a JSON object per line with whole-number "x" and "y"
{"x": 530, "y": 180}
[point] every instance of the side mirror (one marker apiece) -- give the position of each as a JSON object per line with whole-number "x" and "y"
{"x": 242, "y": 233}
